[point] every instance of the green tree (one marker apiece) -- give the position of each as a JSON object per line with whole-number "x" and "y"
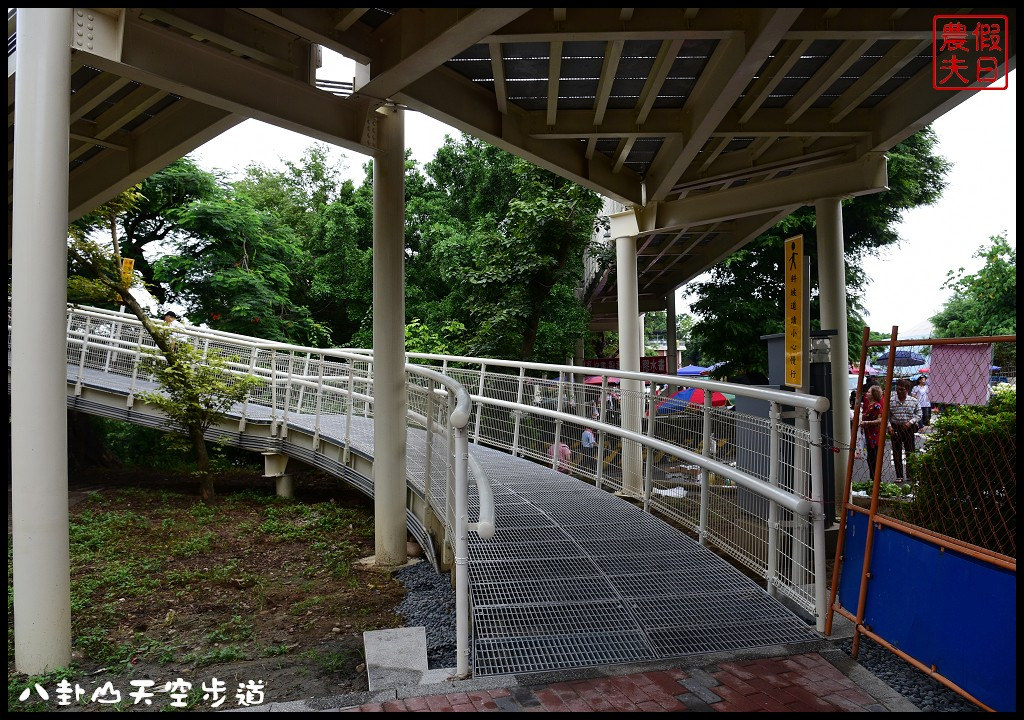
{"x": 742, "y": 300}
{"x": 196, "y": 391}
{"x": 235, "y": 268}
{"x": 144, "y": 228}
{"x": 984, "y": 303}
{"x": 498, "y": 248}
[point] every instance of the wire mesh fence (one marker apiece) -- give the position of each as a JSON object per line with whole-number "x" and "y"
{"x": 939, "y": 429}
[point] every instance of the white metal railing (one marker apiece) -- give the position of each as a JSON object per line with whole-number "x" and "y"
{"x": 325, "y": 393}
{"x": 751, "y": 485}
{"x": 748, "y": 484}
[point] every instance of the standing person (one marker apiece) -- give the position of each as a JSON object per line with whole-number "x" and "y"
{"x": 871, "y": 424}
{"x": 171, "y": 320}
{"x": 904, "y": 417}
{"x": 588, "y": 443}
{"x": 920, "y": 393}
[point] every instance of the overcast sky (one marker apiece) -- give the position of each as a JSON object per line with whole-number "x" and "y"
{"x": 978, "y": 137}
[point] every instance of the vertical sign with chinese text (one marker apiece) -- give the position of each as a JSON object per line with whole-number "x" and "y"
{"x": 970, "y": 52}
{"x": 793, "y": 306}
{"x": 127, "y": 274}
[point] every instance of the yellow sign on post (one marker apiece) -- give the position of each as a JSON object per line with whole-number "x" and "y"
{"x": 794, "y": 311}
{"x": 127, "y": 274}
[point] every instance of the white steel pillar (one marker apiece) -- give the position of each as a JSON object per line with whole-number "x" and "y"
{"x": 671, "y": 350}
{"x": 389, "y": 438}
{"x": 39, "y": 471}
{"x": 832, "y": 282}
{"x": 624, "y": 230}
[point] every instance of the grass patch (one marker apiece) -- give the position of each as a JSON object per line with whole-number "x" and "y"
{"x": 162, "y": 585}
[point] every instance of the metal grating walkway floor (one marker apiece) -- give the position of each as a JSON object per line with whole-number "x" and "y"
{"x": 576, "y": 577}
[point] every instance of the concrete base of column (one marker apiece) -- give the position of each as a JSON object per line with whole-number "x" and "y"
{"x": 285, "y": 486}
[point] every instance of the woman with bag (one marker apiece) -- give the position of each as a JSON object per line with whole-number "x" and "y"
{"x": 871, "y": 424}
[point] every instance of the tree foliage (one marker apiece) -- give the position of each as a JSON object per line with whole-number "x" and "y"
{"x": 984, "y": 303}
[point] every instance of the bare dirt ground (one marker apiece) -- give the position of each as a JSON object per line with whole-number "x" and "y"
{"x": 251, "y": 588}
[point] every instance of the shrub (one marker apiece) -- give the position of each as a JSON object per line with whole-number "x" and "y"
{"x": 967, "y": 476}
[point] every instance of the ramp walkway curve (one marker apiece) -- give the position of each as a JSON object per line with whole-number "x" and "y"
{"x": 574, "y": 577}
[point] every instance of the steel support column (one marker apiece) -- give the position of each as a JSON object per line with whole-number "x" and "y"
{"x": 39, "y": 471}
{"x": 629, "y": 358}
{"x": 389, "y": 438}
{"x": 832, "y": 282}
{"x": 671, "y": 349}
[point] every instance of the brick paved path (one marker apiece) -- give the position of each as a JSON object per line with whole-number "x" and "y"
{"x": 795, "y": 683}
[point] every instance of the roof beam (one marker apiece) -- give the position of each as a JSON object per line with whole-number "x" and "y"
{"x": 608, "y": 24}
{"x": 554, "y": 75}
{"x": 847, "y": 54}
{"x": 163, "y": 59}
{"x": 232, "y": 30}
{"x": 109, "y": 122}
{"x": 664, "y": 123}
{"x": 96, "y": 92}
{"x": 348, "y": 18}
{"x": 864, "y": 176}
{"x": 659, "y": 71}
{"x": 610, "y": 65}
{"x": 175, "y": 132}
{"x": 498, "y": 70}
{"x": 915, "y": 104}
{"x": 786, "y": 154}
{"x": 740, "y": 233}
{"x": 898, "y": 56}
{"x": 447, "y": 96}
{"x": 724, "y": 78}
{"x": 414, "y": 42}
{"x": 771, "y": 76}
{"x": 322, "y": 26}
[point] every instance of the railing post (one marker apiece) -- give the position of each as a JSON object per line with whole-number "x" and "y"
{"x": 649, "y": 470}
{"x": 110, "y": 350}
{"x": 518, "y": 413}
{"x": 705, "y": 481}
{"x": 556, "y": 446}
{"x": 461, "y": 553}
{"x": 245, "y": 404}
{"x": 818, "y": 521}
{"x": 273, "y": 392}
{"x": 287, "y": 395}
{"x": 600, "y": 433}
{"x": 81, "y": 357}
{"x": 799, "y": 567}
{"x": 348, "y": 414}
{"x": 319, "y": 400}
{"x": 302, "y": 385}
{"x": 429, "y": 443}
{"x": 480, "y": 405}
{"x": 137, "y": 360}
{"x": 772, "y": 567}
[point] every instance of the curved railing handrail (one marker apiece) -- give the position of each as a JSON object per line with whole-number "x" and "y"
{"x": 810, "y": 402}
{"x": 779, "y": 489}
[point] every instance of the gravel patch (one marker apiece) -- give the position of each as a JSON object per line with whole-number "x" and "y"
{"x": 430, "y": 602}
{"x": 927, "y": 694}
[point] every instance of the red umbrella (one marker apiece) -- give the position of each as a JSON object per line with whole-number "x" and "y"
{"x": 596, "y": 380}
{"x": 692, "y": 396}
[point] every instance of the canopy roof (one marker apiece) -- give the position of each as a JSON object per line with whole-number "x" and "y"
{"x": 717, "y": 122}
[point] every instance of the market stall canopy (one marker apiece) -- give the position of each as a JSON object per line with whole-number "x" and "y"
{"x": 686, "y": 397}
{"x": 691, "y": 370}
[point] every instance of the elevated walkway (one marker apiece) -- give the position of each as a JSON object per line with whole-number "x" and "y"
{"x": 574, "y": 577}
